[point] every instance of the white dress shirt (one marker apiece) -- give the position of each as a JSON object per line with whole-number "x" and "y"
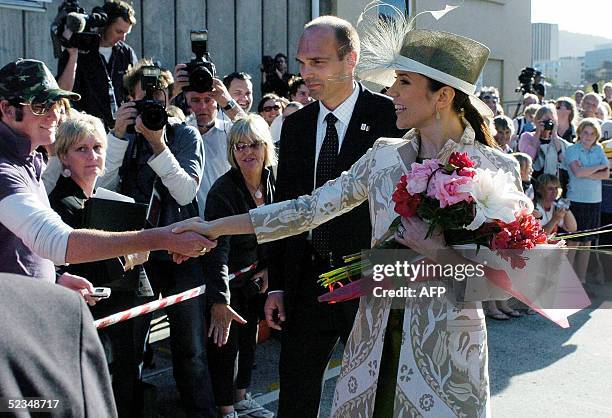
{"x": 215, "y": 157}
{"x": 344, "y": 112}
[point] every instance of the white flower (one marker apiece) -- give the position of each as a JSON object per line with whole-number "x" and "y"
{"x": 496, "y": 197}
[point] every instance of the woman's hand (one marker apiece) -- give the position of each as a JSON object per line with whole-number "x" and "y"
{"x": 558, "y": 215}
{"x": 412, "y": 232}
{"x": 195, "y": 224}
{"x": 221, "y": 317}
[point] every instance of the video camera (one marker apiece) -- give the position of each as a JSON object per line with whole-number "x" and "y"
{"x": 71, "y": 27}
{"x": 152, "y": 112}
{"x": 201, "y": 70}
{"x": 525, "y": 79}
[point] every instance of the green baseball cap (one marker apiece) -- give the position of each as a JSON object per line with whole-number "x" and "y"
{"x": 31, "y": 81}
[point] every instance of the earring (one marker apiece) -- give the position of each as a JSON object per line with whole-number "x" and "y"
{"x": 437, "y": 115}
{"x": 66, "y": 172}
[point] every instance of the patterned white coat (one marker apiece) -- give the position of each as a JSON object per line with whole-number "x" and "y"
{"x": 443, "y": 369}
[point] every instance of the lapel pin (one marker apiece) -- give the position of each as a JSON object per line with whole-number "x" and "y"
{"x": 365, "y": 127}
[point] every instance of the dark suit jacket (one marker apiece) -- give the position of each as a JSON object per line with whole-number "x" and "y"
{"x": 295, "y": 177}
{"x": 49, "y": 348}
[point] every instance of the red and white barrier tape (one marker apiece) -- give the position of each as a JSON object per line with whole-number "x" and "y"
{"x": 161, "y": 303}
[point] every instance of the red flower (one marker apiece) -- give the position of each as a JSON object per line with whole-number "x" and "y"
{"x": 460, "y": 160}
{"x": 525, "y": 232}
{"x": 466, "y": 172}
{"x": 406, "y": 204}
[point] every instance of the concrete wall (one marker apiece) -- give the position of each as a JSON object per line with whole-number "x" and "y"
{"x": 503, "y": 25}
{"x": 240, "y": 31}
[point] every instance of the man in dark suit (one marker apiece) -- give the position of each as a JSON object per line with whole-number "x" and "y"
{"x": 49, "y": 348}
{"x": 317, "y": 144}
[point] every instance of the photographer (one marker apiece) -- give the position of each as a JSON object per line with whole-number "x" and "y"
{"x": 552, "y": 212}
{"x": 545, "y": 147}
{"x": 203, "y": 113}
{"x": 98, "y": 75}
{"x": 164, "y": 166}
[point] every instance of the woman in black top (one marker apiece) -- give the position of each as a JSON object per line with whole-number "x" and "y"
{"x": 248, "y": 184}
{"x": 81, "y": 148}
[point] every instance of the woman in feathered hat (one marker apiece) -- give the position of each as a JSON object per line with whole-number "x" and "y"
{"x": 434, "y": 360}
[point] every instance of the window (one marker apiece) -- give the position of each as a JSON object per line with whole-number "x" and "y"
{"x": 403, "y": 5}
{"x": 29, "y": 5}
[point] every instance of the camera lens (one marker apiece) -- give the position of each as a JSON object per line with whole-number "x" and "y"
{"x": 154, "y": 116}
{"x": 200, "y": 79}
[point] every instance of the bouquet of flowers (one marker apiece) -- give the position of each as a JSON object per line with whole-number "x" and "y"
{"x": 468, "y": 205}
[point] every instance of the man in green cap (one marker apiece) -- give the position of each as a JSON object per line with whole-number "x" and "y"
{"x": 33, "y": 236}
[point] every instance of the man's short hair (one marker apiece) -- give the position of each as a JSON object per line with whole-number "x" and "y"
{"x": 295, "y": 83}
{"x": 346, "y": 35}
{"x": 227, "y": 80}
{"x": 134, "y": 74}
{"x": 116, "y": 9}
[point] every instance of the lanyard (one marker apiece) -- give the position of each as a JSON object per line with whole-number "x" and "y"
{"x": 111, "y": 89}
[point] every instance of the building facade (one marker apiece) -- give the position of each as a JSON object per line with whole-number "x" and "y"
{"x": 240, "y": 31}
{"x": 545, "y": 42}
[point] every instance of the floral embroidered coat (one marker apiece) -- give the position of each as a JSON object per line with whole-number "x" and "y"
{"x": 443, "y": 369}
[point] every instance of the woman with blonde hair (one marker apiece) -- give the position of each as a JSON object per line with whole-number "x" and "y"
{"x": 588, "y": 166}
{"x": 551, "y": 210}
{"x": 81, "y": 149}
{"x": 234, "y": 304}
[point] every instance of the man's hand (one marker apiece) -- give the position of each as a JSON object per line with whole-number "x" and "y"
{"x": 181, "y": 79}
{"x": 275, "y": 302}
{"x": 220, "y": 93}
{"x": 155, "y": 138}
{"x": 78, "y": 284}
{"x": 126, "y": 116}
{"x": 221, "y": 317}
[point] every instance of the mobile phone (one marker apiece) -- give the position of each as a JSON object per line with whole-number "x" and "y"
{"x": 101, "y": 292}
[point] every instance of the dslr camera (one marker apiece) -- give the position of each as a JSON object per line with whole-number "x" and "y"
{"x": 201, "y": 70}
{"x": 152, "y": 112}
{"x": 549, "y": 125}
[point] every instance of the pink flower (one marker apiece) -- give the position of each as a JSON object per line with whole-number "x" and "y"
{"x": 418, "y": 177}
{"x": 446, "y": 189}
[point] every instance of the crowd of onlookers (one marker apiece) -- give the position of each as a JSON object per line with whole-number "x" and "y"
{"x": 564, "y": 148}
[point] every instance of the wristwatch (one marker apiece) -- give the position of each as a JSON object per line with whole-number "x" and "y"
{"x": 230, "y": 105}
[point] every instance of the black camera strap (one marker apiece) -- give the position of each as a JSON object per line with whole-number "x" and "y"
{"x": 109, "y": 77}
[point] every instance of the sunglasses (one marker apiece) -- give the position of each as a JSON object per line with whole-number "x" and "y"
{"x": 242, "y": 147}
{"x": 40, "y": 109}
{"x": 270, "y": 108}
{"x": 489, "y": 98}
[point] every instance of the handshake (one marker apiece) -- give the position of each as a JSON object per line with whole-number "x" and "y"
{"x": 194, "y": 232}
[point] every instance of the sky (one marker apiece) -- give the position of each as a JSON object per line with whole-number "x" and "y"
{"x": 591, "y": 17}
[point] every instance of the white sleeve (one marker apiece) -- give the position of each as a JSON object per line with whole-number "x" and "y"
{"x": 39, "y": 227}
{"x": 182, "y": 186}
{"x": 115, "y": 153}
{"x": 51, "y": 173}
